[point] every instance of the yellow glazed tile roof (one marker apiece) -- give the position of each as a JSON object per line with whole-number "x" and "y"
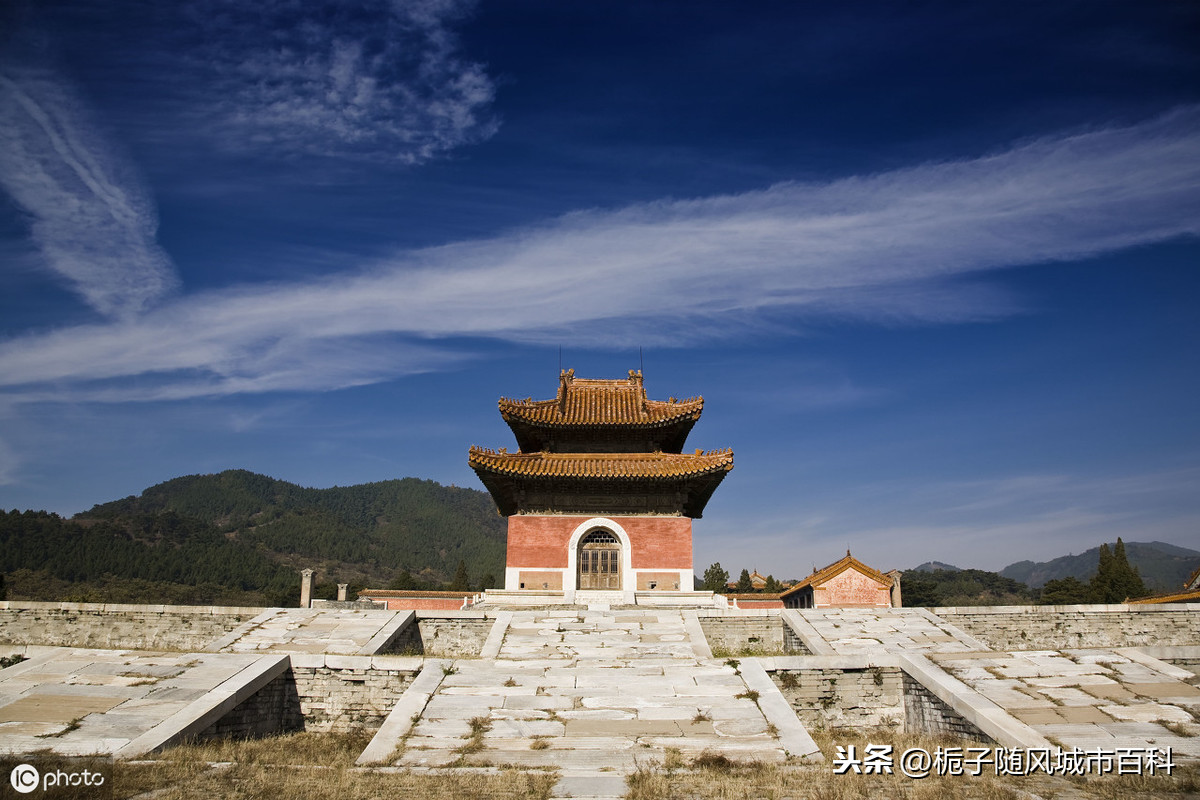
{"x": 601, "y": 466}
{"x": 1192, "y": 596}
{"x": 588, "y": 401}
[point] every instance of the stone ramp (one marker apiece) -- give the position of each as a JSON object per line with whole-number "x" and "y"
{"x": 316, "y": 630}
{"x": 1088, "y": 699}
{"x": 124, "y": 703}
{"x": 595, "y": 693}
{"x": 870, "y": 631}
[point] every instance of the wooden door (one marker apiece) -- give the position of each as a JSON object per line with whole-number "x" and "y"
{"x": 600, "y": 561}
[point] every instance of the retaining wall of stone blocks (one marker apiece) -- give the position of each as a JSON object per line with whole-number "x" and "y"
{"x": 1071, "y": 627}
{"x": 859, "y": 697}
{"x": 273, "y": 709}
{"x": 338, "y": 694}
{"x": 748, "y": 634}
{"x": 447, "y": 637}
{"x": 116, "y": 626}
{"x": 926, "y": 713}
{"x": 348, "y": 693}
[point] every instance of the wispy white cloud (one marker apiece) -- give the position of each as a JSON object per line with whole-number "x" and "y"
{"x": 878, "y": 247}
{"x": 90, "y": 217}
{"x": 378, "y": 79}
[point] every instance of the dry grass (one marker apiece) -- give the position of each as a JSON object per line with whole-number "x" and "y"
{"x": 1177, "y": 728}
{"x": 308, "y": 766}
{"x": 714, "y": 775}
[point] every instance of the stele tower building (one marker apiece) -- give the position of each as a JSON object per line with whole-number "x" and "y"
{"x": 600, "y": 496}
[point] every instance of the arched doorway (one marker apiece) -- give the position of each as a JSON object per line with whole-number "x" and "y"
{"x": 600, "y": 561}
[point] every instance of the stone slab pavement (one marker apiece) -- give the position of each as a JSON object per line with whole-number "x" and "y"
{"x": 592, "y": 694}
{"x": 1096, "y": 698}
{"x": 120, "y": 702}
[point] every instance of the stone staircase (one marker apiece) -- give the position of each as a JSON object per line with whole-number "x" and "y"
{"x": 593, "y": 694}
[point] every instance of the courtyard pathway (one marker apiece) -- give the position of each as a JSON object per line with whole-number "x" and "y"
{"x": 595, "y": 693}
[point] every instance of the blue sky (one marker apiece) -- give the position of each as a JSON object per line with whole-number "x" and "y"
{"x": 932, "y": 266}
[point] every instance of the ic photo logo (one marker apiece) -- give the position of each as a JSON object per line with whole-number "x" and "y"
{"x": 24, "y": 778}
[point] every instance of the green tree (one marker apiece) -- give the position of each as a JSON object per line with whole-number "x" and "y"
{"x": 403, "y": 580}
{"x": 1102, "y": 582}
{"x": 920, "y": 591}
{"x": 744, "y": 585}
{"x": 488, "y": 581}
{"x": 462, "y": 581}
{"x": 772, "y": 586}
{"x": 1063, "y": 592}
{"x": 715, "y": 578}
{"x": 1115, "y": 581}
{"x": 1126, "y": 581}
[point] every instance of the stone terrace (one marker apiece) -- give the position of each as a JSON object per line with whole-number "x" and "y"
{"x": 592, "y": 692}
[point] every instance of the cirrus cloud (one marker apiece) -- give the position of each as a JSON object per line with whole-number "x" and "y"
{"x": 375, "y": 79}
{"x": 874, "y": 247}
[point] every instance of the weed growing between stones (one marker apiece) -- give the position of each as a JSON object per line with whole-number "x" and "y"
{"x": 73, "y": 725}
{"x": 1177, "y": 728}
{"x": 479, "y": 726}
{"x": 719, "y": 651}
{"x": 788, "y": 680}
{"x": 8, "y": 661}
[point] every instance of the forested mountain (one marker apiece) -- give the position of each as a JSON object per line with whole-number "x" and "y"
{"x": 1162, "y": 566}
{"x": 961, "y": 587}
{"x": 241, "y": 537}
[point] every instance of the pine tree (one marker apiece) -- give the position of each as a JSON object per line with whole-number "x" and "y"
{"x": 1064, "y": 592}
{"x": 1127, "y": 582}
{"x": 744, "y": 584}
{"x": 1103, "y": 581}
{"x": 461, "y": 582}
{"x": 403, "y": 580}
{"x": 772, "y": 586}
{"x": 715, "y": 578}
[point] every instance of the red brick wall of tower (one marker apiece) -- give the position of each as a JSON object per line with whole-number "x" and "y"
{"x": 655, "y": 542}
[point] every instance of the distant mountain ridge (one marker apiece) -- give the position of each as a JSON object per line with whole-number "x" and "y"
{"x": 250, "y": 533}
{"x": 934, "y": 566}
{"x": 1163, "y": 566}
